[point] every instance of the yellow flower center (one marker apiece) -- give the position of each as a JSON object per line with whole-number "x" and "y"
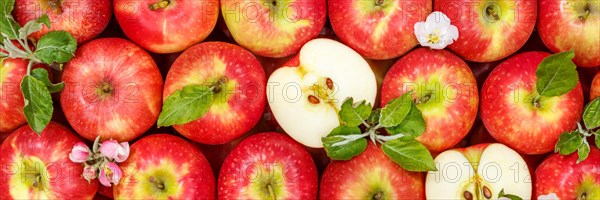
{"x": 433, "y": 38}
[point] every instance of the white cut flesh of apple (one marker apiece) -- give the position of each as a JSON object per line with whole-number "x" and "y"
{"x": 305, "y": 99}
{"x": 499, "y": 167}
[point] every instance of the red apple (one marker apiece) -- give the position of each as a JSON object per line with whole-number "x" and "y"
{"x": 38, "y": 166}
{"x": 561, "y": 175}
{"x": 84, "y": 19}
{"x": 595, "y": 89}
{"x": 112, "y": 89}
{"x": 444, "y": 89}
{"x": 489, "y": 30}
{"x": 378, "y": 29}
{"x": 579, "y": 22}
{"x": 268, "y": 166}
{"x": 371, "y": 175}
{"x": 12, "y": 72}
{"x": 164, "y": 166}
{"x": 106, "y": 191}
{"x": 274, "y": 28}
{"x": 511, "y": 115}
{"x": 240, "y": 102}
{"x": 167, "y": 26}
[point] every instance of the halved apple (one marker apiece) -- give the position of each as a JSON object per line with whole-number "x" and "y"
{"x": 305, "y": 94}
{"x": 479, "y": 172}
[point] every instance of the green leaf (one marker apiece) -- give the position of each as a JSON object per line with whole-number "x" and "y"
{"x": 354, "y": 114}
{"x": 412, "y": 126}
{"x": 38, "y": 103}
{"x": 556, "y": 74}
{"x": 510, "y": 196}
{"x": 56, "y": 46}
{"x": 34, "y": 26}
{"x": 346, "y": 151}
{"x": 186, "y": 105}
{"x": 8, "y": 26}
{"x": 44, "y": 19}
{"x": 583, "y": 152}
{"x": 409, "y": 154}
{"x": 591, "y": 114}
{"x": 42, "y": 75}
{"x": 395, "y": 111}
{"x": 568, "y": 143}
{"x": 374, "y": 117}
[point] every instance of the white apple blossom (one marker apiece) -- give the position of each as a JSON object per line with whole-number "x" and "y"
{"x": 436, "y": 32}
{"x": 551, "y": 196}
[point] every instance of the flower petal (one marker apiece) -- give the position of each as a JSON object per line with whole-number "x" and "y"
{"x": 103, "y": 179}
{"x": 109, "y": 148}
{"x": 551, "y": 196}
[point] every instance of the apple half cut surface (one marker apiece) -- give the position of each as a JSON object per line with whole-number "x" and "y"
{"x": 479, "y": 172}
{"x": 305, "y": 95}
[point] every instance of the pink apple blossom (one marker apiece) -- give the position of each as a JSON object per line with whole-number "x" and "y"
{"x": 110, "y": 173}
{"x": 79, "y": 153}
{"x": 114, "y": 150}
{"x": 89, "y": 172}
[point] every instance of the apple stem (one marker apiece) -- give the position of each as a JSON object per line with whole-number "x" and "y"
{"x": 536, "y": 101}
{"x": 55, "y": 5}
{"x": 271, "y": 191}
{"x": 29, "y": 65}
{"x": 585, "y": 15}
{"x": 492, "y": 12}
{"x": 159, "y": 5}
{"x": 379, "y": 2}
{"x": 157, "y": 184}
{"x": 37, "y": 180}
{"x": 218, "y": 86}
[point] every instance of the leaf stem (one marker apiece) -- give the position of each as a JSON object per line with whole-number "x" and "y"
{"x": 29, "y": 65}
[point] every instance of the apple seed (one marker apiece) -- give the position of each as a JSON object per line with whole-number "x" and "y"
{"x": 467, "y": 195}
{"x": 487, "y": 193}
{"x": 314, "y": 100}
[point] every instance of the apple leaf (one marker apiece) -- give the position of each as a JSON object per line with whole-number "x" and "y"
{"x": 34, "y": 26}
{"x": 185, "y": 105}
{"x": 56, "y": 47}
{"x": 8, "y": 26}
{"x": 568, "y": 143}
{"x": 591, "y": 114}
{"x": 409, "y": 154}
{"x": 348, "y": 148}
{"x": 38, "y": 103}
{"x": 354, "y": 114}
{"x": 413, "y": 124}
{"x": 583, "y": 152}
{"x": 556, "y": 74}
{"x": 509, "y": 196}
{"x": 42, "y": 75}
{"x": 395, "y": 111}
{"x": 374, "y": 117}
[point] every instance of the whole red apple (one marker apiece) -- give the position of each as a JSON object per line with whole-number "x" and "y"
{"x": 84, "y": 19}
{"x": 595, "y": 89}
{"x": 275, "y": 28}
{"x": 164, "y": 166}
{"x": 444, "y": 89}
{"x": 371, "y": 175}
{"x": 238, "y": 102}
{"x": 167, "y": 26}
{"x": 112, "y": 89}
{"x": 579, "y": 22}
{"x": 511, "y": 115}
{"x": 489, "y": 30}
{"x": 378, "y": 29}
{"x": 38, "y": 166}
{"x": 562, "y": 176}
{"x": 268, "y": 166}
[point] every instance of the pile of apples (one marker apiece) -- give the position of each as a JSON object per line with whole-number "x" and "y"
{"x": 230, "y": 99}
